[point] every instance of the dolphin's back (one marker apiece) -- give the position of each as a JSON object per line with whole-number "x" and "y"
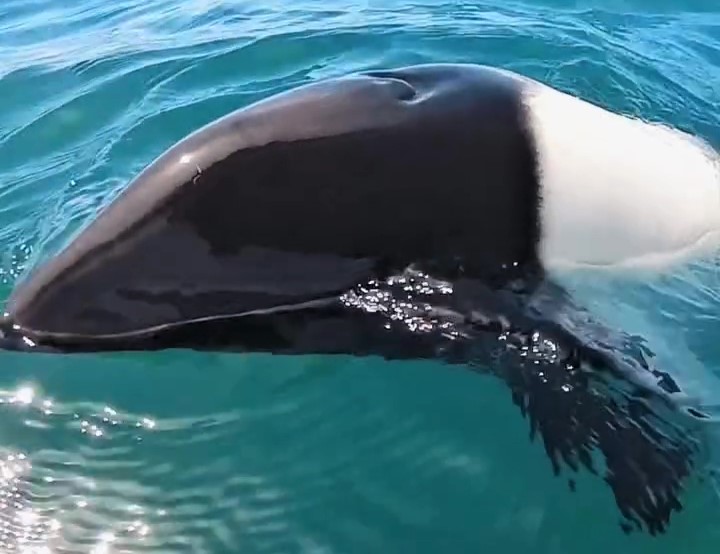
{"x": 301, "y": 196}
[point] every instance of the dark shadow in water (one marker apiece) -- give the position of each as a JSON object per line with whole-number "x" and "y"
{"x": 583, "y": 387}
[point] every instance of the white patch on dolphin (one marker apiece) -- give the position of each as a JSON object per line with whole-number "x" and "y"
{"x": 619, "y": 192}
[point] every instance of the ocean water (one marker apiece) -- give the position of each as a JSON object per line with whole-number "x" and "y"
{"x": 179, "y": 451}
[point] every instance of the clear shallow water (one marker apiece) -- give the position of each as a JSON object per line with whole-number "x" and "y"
{"x": 189, "y": 452}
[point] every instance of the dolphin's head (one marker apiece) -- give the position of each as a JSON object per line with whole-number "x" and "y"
{"x": 291, "y": 200}
{"x": 215, "y": 227}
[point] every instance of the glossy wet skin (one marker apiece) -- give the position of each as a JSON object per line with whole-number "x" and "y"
{"x": 298, "y": 199}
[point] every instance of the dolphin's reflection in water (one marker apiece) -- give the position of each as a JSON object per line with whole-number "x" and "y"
{"x": 590, "y": 394}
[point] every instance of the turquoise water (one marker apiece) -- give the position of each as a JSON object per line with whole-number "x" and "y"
{"x": 189, "y": 452}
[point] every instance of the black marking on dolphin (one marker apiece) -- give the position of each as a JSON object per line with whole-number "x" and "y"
{"x": 391, "y": 213}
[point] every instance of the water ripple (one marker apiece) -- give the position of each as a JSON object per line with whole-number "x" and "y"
{"x": 60, "y": 500}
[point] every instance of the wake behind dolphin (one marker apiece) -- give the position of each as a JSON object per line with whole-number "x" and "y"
{"x": 414, "y": 213}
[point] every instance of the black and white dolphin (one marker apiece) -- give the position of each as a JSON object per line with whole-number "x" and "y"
{"x": 419, "y": 212}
